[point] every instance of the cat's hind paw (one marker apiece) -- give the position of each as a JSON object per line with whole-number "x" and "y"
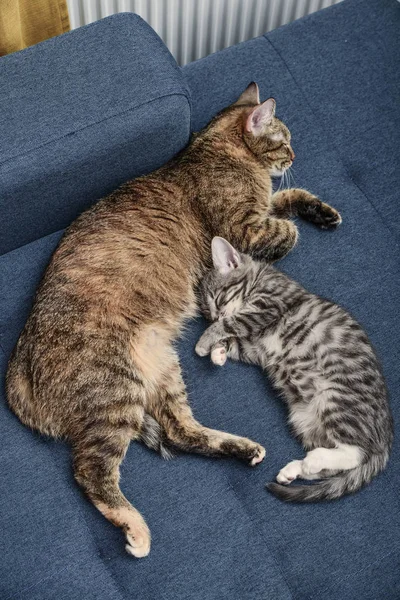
{"x": 137, "y": 548}
{"x": 289, "y": 473}
{"x": 258, "y": 457}
{"x": 138, "y": 539}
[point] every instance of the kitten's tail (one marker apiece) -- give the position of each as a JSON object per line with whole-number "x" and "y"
{"x": 347, "y": 482}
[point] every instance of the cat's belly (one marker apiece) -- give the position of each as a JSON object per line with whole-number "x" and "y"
{"x": 308, "y": 398}
{"x": 305, "y": 420}
{"x": 299, "y": 378}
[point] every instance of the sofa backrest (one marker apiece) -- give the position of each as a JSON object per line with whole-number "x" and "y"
{"x": 80, "y": 114}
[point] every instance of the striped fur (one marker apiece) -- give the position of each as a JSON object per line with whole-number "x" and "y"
{"x": 95, "y": 362}
{"x": 317, "y": 356}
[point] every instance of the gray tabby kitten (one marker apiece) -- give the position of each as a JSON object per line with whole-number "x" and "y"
{"x": 317, "y": 356}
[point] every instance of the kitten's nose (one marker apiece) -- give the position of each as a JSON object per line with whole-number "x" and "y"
{"x": 292, "y": 154}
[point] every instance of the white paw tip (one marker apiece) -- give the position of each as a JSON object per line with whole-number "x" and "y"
{"x": 138, "y": 548}
{"x": 284, "y": 479}
{"x": 218, "y": 356}
{"x": 258, "y": 458}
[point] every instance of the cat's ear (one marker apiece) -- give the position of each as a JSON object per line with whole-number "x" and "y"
{"x": 225, "y": 257}
{"x": 251, "y": 95}
{"x": 260, "y": 117}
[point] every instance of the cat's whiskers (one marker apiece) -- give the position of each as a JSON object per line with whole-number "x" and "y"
{"x": 280, "y": 184}
{"x": 286, "y": 180}
{"x": 290, "y": 176}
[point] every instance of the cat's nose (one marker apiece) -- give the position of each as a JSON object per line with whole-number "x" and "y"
{"x": 291, "y": 153}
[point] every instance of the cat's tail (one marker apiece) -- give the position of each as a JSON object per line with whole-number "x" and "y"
{"x": 347, "y": 482}
{"x": 154, "y": 437}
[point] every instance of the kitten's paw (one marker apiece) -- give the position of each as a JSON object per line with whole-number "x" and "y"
{"x": 289, "y": 473}
{"x": 218, "y": 356}
{"x": 258, "y": 456}
{"x": 139, "y": 545}
{"x": 321, "y": 214}
{"x": 200, "y": 349}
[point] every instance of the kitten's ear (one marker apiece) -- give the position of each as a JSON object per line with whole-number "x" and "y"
{"x": 225, "y": 257}
{"x": 260, "y": 117}
{"x": 251, "y": 95}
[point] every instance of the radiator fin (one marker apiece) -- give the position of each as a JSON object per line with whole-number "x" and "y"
{"x": 194, "y": 28}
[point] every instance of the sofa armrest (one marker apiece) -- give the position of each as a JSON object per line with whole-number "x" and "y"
{"x": 80, "y": 114}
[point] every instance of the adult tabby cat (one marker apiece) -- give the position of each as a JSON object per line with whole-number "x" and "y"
{"x": 95, "y": 362}
{"x": 317, "y": 356}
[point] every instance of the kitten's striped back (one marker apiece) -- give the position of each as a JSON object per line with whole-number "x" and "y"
{"x": 321, "y": 360}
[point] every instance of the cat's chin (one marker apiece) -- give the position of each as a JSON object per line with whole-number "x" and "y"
{"x": 274, "y": 172}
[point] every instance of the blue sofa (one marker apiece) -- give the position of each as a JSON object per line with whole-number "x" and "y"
{"x": 88, "y": 110}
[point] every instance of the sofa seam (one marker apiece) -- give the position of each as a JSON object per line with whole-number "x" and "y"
{"x": 95, "y": 123}
{"x": 356, "y": 185}
{"x": 93, "y": 544}
{"x": 33, "y": 241}
{"x": 273, "y": 558}
{"x": 96, "y": 546}
{"x": 52, "y": 577}
{"x": 35, "y": 585}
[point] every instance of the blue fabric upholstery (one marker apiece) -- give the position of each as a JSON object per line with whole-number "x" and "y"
{"x": 80, "y": 114}
{"x": 216, "y": 532}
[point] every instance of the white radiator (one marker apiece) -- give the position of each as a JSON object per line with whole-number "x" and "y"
{"x": 194, "y": 28}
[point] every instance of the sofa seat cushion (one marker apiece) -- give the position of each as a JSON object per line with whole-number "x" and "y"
{"x": 80, "y": 114}
{"x": 217, "y": 533}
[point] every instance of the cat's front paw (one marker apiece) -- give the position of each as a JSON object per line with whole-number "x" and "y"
{"x": 321, "y": 214}
{"x": 218, "y": 356}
